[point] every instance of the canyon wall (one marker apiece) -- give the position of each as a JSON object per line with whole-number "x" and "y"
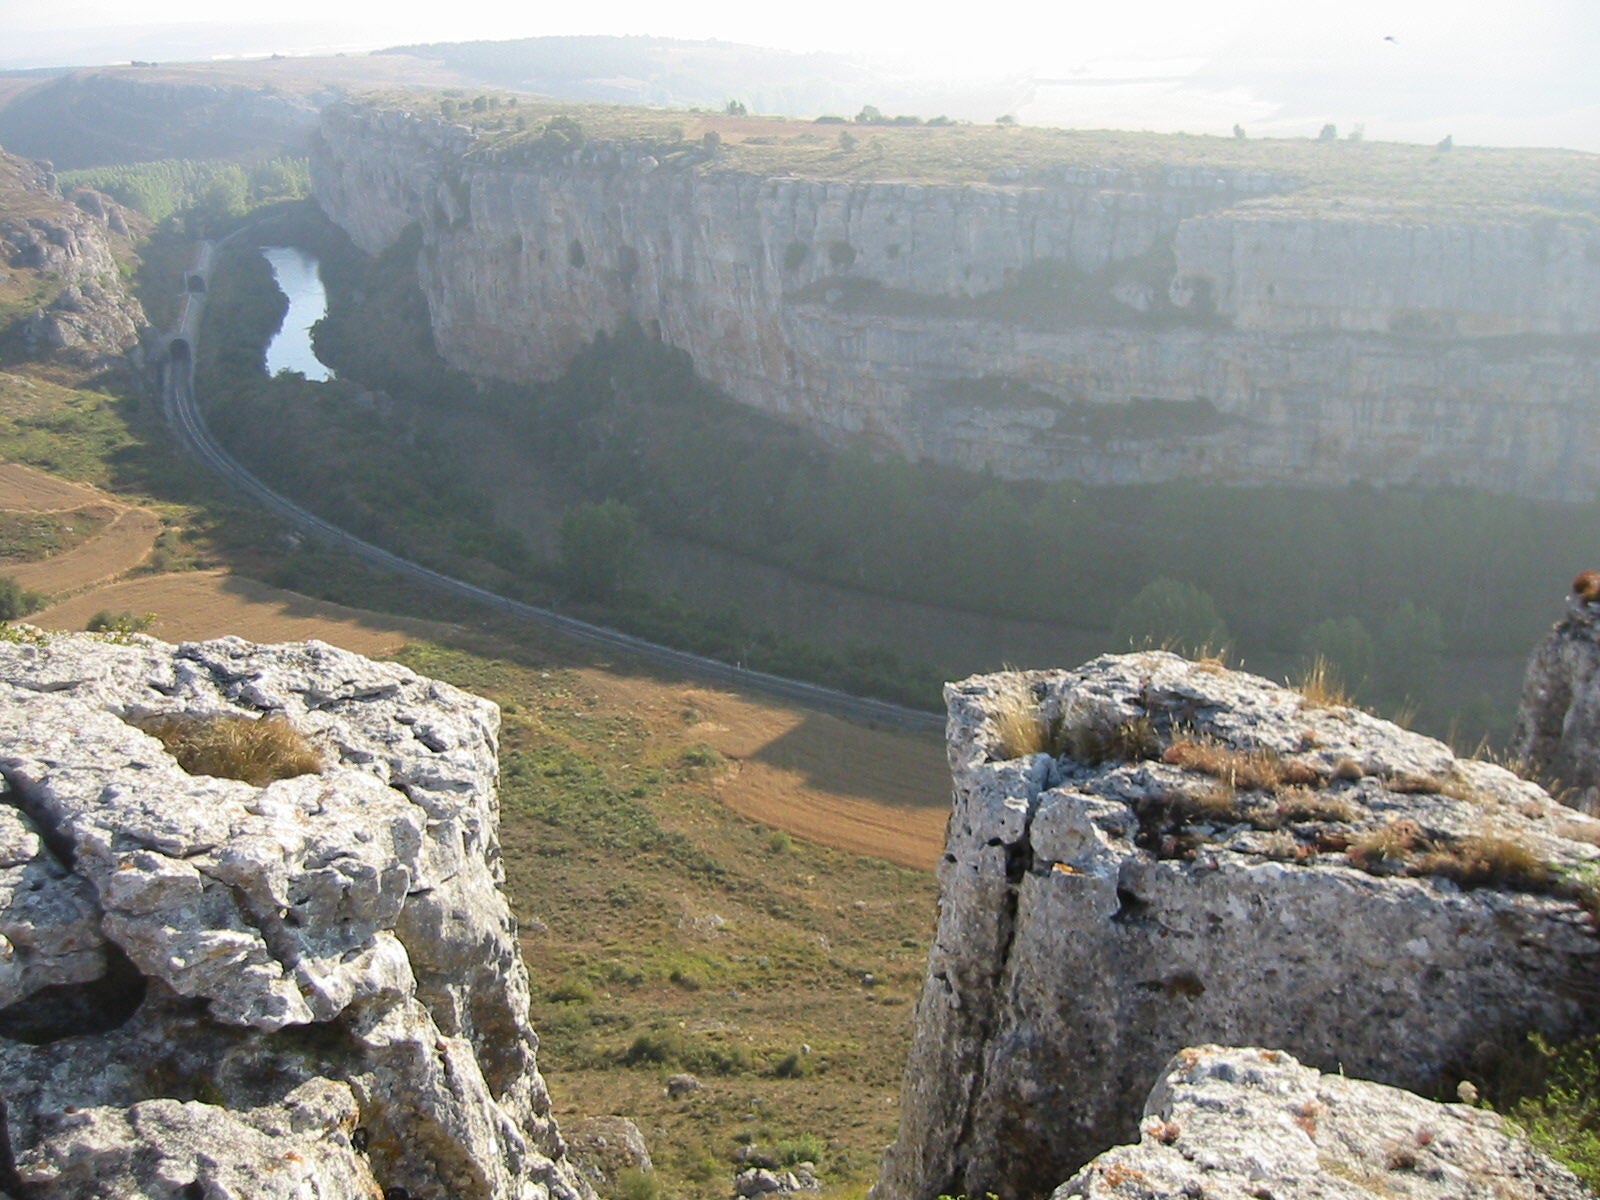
{"x": 1147, "y": 854}
{"x": 61, "y": 289}
{"x": 1104, "y": 327}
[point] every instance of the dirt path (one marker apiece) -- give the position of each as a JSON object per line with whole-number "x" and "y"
{"x": 24, "y": 489}
{"x": 117, "y": 549}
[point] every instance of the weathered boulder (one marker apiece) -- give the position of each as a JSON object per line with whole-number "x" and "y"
{"x": 1147, "y": 853}
{"x": 1557, "y": 736}
{"x": 1254, "y": 1123}
{"x": 205, "y": 980}
{"x": 605, "y": 1147}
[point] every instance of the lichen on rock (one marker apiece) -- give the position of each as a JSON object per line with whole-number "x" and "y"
{"x": 205, "y": 980}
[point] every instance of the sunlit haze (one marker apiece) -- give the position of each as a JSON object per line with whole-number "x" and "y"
{"x": 1502, "y": 74}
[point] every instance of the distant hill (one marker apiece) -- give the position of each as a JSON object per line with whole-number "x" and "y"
{"x": 707, "y": 74}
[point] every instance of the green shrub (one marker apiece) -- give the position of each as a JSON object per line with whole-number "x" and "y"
{"x": 1563, "y": 1119}
{"x": 634, "y": 1184}
{"x": 106, "y": 621}
{"x": 15, "y": 600}
{"x": 806, "y": 1147}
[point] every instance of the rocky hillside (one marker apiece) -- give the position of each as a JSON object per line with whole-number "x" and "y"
{"x": 305, "y": 984}
{"x": 1147, "y": 854}
{"x": 1092, "y": 320}
{"x": 61, "y": 289}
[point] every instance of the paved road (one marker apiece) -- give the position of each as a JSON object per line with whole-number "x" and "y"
{"x": 183, "y": 415}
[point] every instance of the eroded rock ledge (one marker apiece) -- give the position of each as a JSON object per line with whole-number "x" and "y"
{"x": 1255, "y": 1123}
{"x": 1146, "y": 854}
{"x": 206, "y": 984}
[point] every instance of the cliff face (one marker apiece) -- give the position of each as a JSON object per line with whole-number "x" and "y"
{"x": 59, "y": 279}
{"x": 1101, "y": 327}
{"x": 210, "y": 987}
{"x": 1202, "y": 856}
{"x": 1557, "y": 735}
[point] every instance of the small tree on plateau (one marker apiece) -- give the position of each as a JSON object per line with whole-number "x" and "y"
{"x": 1170, "y": 614}
{"x": 600, "y": 546}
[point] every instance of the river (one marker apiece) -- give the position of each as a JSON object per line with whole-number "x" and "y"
{"x": 299, "y": 279}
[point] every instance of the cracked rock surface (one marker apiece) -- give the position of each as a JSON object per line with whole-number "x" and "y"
{"x": 1197, "y": 855}
{"x": 1240, "y": 1124}
{"x": 204, "y": 981}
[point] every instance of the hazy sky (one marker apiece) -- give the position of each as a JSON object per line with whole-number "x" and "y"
{"x": 1494, "y": 72}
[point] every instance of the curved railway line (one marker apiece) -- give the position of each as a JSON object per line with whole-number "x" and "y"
{"x": 183, "y": 416}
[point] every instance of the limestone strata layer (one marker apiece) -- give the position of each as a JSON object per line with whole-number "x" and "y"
{"x": 1252, "y": 1123}
{"x": 1100, "y": 328}
{"x": 204, "y": 984}
{"x": 1198, "y": 856}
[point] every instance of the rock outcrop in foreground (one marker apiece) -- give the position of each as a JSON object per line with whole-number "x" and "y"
{"x": 1557, "y": 737}
{"x": 1255, "y": 1123}
{"x": 209, "y": 988}
{"x": 1146, "y": 854}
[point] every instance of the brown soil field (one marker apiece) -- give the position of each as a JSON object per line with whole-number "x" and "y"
{"x": 879, "y": 792}
{"x": 195, "y": 605}
{"x": 121, "y": 546}
{"x": 24, "y": 489}
{"x": 869, "y": 791}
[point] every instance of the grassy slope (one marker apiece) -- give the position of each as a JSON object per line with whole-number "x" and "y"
{"x": 652, "y": 913}
{"x": 664, "y": 934}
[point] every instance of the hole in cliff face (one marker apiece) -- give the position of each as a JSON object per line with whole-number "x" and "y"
{"x": 1130, "y": 908}
{"x": 66, "y": 1010}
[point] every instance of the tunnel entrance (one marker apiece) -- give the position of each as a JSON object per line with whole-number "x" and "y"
{"x": 178, "y": 352}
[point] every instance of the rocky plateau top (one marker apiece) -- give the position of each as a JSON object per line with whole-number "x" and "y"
{"x": 1147, "y": 854}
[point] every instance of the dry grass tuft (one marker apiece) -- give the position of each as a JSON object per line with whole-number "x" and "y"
{"x": 1388, "y": 848}
{"x": 1488, "y": 860}
{"x": 256, "y": 751}
{"x": 1251, "y": 770}
{"x": 1321, "y": 685}
{"x": 1303, "y": 804}
{"x": 1020, "y": 725}
{"x": 1127, "y": 741}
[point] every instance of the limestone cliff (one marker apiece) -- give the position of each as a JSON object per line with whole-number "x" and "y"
{"x": 214, "y": 988}
{"x": 1092, "y": 325}
{"x": 1557, "y": 735}
{"x": 60, "y": 287}
{"x": 1146, "y": 854}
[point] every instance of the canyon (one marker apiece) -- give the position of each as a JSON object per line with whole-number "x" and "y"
{"x": 1100, "y": 324}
